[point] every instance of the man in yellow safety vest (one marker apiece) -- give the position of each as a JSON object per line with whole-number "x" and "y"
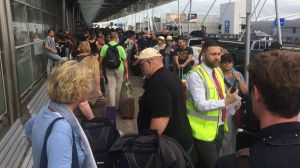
{"x": 206, "y": 105}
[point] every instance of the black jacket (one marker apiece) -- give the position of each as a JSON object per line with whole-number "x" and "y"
{"x": 277, "y": 146}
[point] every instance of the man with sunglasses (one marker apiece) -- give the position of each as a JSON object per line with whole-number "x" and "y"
{"x": 162, "y": 106}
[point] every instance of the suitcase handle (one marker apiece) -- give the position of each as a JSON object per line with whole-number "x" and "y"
{"x": 96, "y": 122}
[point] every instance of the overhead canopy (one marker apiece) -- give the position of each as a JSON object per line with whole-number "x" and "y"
{"x": 103, "y": 10}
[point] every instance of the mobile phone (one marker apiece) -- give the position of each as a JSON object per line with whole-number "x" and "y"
{"x": 228, "y": 85}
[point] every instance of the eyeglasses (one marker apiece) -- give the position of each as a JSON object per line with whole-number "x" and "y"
{"x": 144, "y": 61}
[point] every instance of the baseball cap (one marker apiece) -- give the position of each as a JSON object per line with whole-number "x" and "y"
{"x": 161, "y": 38}
{"x": 149, "y": 53}
{"x": 169, "y": 38}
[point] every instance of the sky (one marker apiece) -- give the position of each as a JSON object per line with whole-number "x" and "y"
{"x": 202, "y": 6}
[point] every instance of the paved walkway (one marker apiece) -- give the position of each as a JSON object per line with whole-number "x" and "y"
{"x": 127, "y": 126}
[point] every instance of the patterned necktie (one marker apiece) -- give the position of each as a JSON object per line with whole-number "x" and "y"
{"x": 220, "y": 93}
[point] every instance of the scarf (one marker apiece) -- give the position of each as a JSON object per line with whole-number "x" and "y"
{"x": 65, "y": 112}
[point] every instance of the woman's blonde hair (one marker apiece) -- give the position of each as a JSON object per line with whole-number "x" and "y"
{"x": 92, "y": 63}
{"x": 69, "y": 83}
{"x": 84, "y": 47}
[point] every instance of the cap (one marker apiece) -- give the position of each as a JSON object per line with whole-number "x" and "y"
{"x": 169, "y": 38}
{"x": 149, "y": 53}
{"x": 161, "y": 38}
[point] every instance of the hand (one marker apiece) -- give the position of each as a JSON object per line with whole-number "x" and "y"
{"x": 126, "y": 75}
{"x": 230, "y": 97}
{"x": 236, "y": 76}
{"x": 238, "y": 106}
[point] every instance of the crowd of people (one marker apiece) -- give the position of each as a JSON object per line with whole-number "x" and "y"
{"x": 199, "y": 102}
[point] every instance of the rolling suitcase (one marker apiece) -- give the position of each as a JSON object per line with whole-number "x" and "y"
{"x": 127, "y": 101}
{"x": 110, "y": 113}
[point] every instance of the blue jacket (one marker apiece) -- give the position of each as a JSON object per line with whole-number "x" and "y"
{"x": 59, "y": 148}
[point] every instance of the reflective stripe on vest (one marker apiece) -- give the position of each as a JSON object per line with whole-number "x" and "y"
{"x": 205, "y": 124}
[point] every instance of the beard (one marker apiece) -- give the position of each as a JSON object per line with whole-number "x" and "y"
{"x": 212, "y": 64}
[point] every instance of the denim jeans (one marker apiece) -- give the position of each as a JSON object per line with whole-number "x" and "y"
{"x": 52, "y": 57}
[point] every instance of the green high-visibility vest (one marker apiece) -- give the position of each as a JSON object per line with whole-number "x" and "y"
{"x": 205, "y": 123}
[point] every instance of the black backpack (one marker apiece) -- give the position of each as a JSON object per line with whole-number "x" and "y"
{"x": 147, "y": 150}
{"x": 101, "y": 134}
{"x": 112, "y": 57}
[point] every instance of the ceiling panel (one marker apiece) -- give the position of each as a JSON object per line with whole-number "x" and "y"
{"x": 103, "y": 10}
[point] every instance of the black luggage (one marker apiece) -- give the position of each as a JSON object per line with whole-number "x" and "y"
{"x": 101, "y": 134}
{"x": 147, "y": 150}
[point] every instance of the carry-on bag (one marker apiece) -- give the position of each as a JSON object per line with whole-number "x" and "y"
{"x": 147, "y": 150}
{"x": 127, "y": 101}
{"x": 101, "y": 134}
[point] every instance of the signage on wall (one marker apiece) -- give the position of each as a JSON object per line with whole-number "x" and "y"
{"x": 282, "y": 20}
{"x": 227, "y": 27}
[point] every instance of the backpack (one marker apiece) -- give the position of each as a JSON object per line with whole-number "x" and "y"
{"x": 112, "y": 57}
{"x": 101, "y": 134}
{"x": 147, "y": 150}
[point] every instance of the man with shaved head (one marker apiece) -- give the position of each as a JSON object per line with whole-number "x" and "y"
{"x": 115, "y": 76}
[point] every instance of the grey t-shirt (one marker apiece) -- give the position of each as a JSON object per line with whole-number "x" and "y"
{"x": 51, "y": 43}
{"x": 231, "y": 80}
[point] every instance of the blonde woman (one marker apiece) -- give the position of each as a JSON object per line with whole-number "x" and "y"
{"x": 66, "y": 145}
{"x": 95, "y": 104}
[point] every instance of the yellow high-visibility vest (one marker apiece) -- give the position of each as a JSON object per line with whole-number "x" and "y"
{"x": 205, "y": 123}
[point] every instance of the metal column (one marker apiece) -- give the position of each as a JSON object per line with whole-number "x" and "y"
{"x": 63, "y": 14}
{"x": 248, "y": 32}
{"x": 179, "y": 20}
{"x": 278, "y": 23}
{"x": 189, "y": 23}
{"x": 13, "y": 101}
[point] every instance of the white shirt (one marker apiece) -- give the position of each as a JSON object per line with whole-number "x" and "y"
{"x": 197, "y": 91}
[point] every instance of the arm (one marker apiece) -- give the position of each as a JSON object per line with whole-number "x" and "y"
{"x": 176, "y": 60}
{"x": 159, "y": 124}
{"x": 86, "y": 110}
{"x": 102, "y": 54}
{"x": 125, "y": 68}
{"x": 190, "y": 58}
{"x": 162, "y": 108}
{"x": 197, "y": 91}
{"x": 125, "y": 62}
{"x": 243, "y": 86}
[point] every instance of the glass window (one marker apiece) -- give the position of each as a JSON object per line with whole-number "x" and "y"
{"x": 35, "y": 25}
{"x": 38, "y": 60}
{"x": 2, "y": 93}
{"x": 19, "y": 23}
{"x": 24, "y": 66}
{"x": 36, "y": 3}
{"x": 46, "y": 23}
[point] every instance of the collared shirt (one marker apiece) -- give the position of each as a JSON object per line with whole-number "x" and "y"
{"x": 197, "y": 90}
{"x": 59, "y": 147}
{"x": 275, "y": 146}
